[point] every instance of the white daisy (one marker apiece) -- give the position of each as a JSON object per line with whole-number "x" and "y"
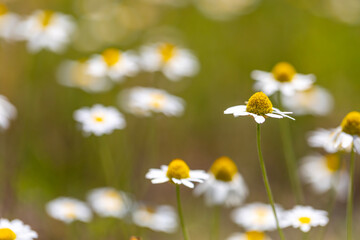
{"x": 16, "y": 230}
{"x": 177, "y": 172}
{"x": 173, "y": 61}
{"x": 114, "y": 64}
{"x": 142, "y": 101}
{"x": 8, "y": 23}
{"x": 46, "y": 29}
{"x": 259, "y": 107}
{"x": 225, "y": 185}
{"x": 323, "y": 138}
{"x": 305, "y": 217}
{"x": 7, "y": 112}
{"x": 109, "y": 202}
{"x": 283, "y": 78}
{"x": 251, "y": 235}
{"x": 68, "y": 210}
{"x": 99, "y": 120}
{"x": 161, "y": 219}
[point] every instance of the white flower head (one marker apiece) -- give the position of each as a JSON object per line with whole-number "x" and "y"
{"x": 256, "y": 217}
{"x": 173, "y": 61}
{"x": 68, "y": 210}
{"x": 8, "y": 23}
{"x": 109, "y": 202}
{"x": 16, "y": 230}
{"x": 225, "y": 185}
{"x": 251, "y": 235}
{"x": 283, "y": 78}
{"x": 113, "y": 63}
{"x": 7, "y": 112}
{"x": 259, "y": 107}
{"x": 160, "y": 219}
{"x": 323, "y": 138}
{"x": 177, "y": 172}
{"x": 143, "y": 102}
{"x": 305, "y": 217}
{"x": 99, "y": 120}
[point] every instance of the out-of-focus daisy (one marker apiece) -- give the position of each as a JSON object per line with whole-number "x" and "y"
{"x": 161, "y": 219}
{"x": 323, "y": 138}
{"x": 259, "y": 107}
{"x": 114, "y": 64}
{"x": 282, "y": 78}
{"x": 305, "y": 217}
{"x": 109, "y": 202}
{"x": 75, "y": 74}
{"x": 7, "y": 112}
{"x": 68, "y": 210}
{"x": 177, "y": 172}
{"x": 315, "y": 101}
{"x": 135, "y": 238}
{"x": 142, "y": 101}
{"x": 173, "y": 61}
{"x": 16, "y": 230}
{"x": 225, "y": 185}
{"x": 46, "y": 29}
{"x": 8, "y": 23}
{"x": 99, "y": 120}
{"x": 251, "y": 235}
{"x": 256, "y": 217}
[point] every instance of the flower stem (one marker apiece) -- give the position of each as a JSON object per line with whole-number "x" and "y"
{"x": 266, "y": 181}
{"x": 181, "y": 217}
{"x": 107, "y": 161}
{"x": 349, "y": 210}
{"x": 216, "y": 223}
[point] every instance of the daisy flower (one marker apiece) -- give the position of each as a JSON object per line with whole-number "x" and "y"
{"x": 16, "y": 230}
{"x": 323, "y": 138}
{"x": 282, "y": 78}
{"x": 99, "y": 120}
{"x": 46, "y": 29}
{"x": 160, "y": 219}
{"x": 109, "y": 202}
{"x": 251, "y": 235}
{"x": 68, "y": 210}
{"x": 225, "y": 185}
{"x": 177, "y": 172}
{"x": 114, "y": 64}
{"x": 7, "y": 112}
{"x": 305, "y": 217}
{"x": 8, "y": 23}
{"x": 173, "y": 61}
{"x": 259, "y": 107}
{"x": 142, "y": 101}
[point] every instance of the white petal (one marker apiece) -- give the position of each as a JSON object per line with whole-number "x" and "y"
{"x": 274, "y": 115}
{"x": 259, "y": 119}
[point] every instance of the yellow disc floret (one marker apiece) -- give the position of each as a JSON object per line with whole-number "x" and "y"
{"x": 7, "y": 234}
{"x": 46, "y": 18}
{"x": 332, "y": 162}
{"x": 284, "y": 72}
{"x": 259, "y": 104}
{"x": 111, "y": 56}
{"x": 304, "y": 220}
{"x": 224, "y": 169}
{"x": 3, "y": 9}
{"x": 351, "y": 123}
{"x": 178, "y": 169}
{"x": 157, "y": 100}
{"x": 255, "y": 235}
{"x": 167, "y": 51}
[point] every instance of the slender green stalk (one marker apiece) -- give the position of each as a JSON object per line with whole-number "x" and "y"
{"x": 305, "y": 236}
{"x": 349, "y": 210}
{"x": 106, "y": 161}
{"x": 266, "y": 181}
{"x": 181, "y": 217}
{"x": 216, "y": 223}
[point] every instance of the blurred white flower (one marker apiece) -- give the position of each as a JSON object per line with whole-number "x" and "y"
{"x": 142, "y": 101}
{"x": 251, "y": 235}
{"x": 7, "y": 112}
{"x": 283, "y": 78}
{"x": 225, "y": 185}
{"x": 8, "y": 23}
{"x": 109, "y": 202}
{"x": 323, "y": 138}
{"x": 68, "y": 210}
{"x": 114, "y": 64}
{"x": 161, "y": 218}
{"x": 16, "y": 230}
{"x": 99, "y": 120}
{"x": 173, "y": 61}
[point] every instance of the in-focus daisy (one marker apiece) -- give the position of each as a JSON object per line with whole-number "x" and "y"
{"x": 282, "y": 78}
{"x": 7, "y": 112}
{"x": 173, "y": 61}
{"x": 177, "y": 172}
{"x": 161, "y": 218}
{"x": 251, "y": 235}
{"x": 142, "y": 101}
{"x": 256, "y": 217}
{"x": 109, "y": 202}
{"x": 114, "y": 64}
{"x": 259, "y": 107}
{"x": 16, "y": 230}
{"x": 323, "y": 138}
{"x": 8, "y": 23}
{"x": 46, "y": 29}
{"x": 68, "y": 210}
{"x": 305, "y": 217}
{"x": 99, "y": 120}
{"x": 225, "y": 185}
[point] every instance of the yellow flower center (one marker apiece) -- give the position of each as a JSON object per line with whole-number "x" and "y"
{"x": 178, "y": 169}
{"x": 254, "y": 235}
{"x": 7, "y": 234}
{"x": 332, "y": 162}
{"x": 259, "y": 104}
{"x": 223, "y": 169}
{"x": 46, "y": 18}
{"x": 157, "y": 100}
{"x": 283, "y": 72}
{"x": 304, "y": 220}
{"x": 111, "y": 56}
{"x": 351, "y": 123}
{"x": 99, "y": 119}
{"x": 3, "y": 9}
{"x": 135, "y": 238}
{"x": 70, "y": 210}
{"x": 167, "y": 51}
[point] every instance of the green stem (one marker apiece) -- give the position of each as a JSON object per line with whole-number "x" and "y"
{"x": 216, "y": 223}
{"x": 305, "y": 235}
{"x": 107, "y": 161}
{"x": 349, "y": 210}
{"x": 266, "y": 181}
{"x": 181, "y": 217}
